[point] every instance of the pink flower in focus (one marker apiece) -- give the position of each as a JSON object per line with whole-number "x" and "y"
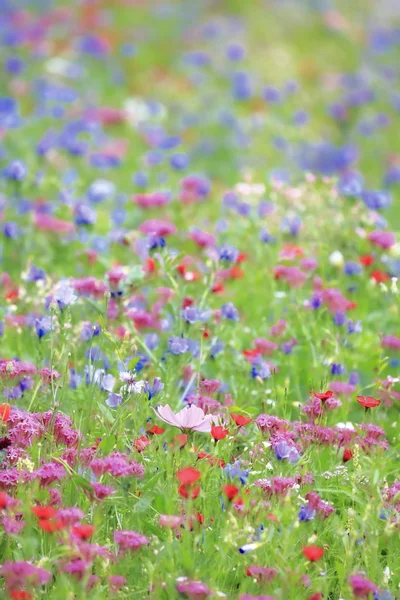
{"x": 190, "y": 418}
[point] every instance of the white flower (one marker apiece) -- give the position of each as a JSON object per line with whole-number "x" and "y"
{"x": 347, "y": 425}
{"x": 336, "y": 258}
{"x": 132, "y": 386}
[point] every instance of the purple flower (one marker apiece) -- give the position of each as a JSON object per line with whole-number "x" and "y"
{"x": 42, "y": 326}
{"x": 20, "y": 574}
{"x": 284, "y": 450}
{"x": 151, "y": 340}
{"x": 337, "y": 369}
{"x": 15, "y": 171}
{"x": 352, "y": 268}
{"x": 339, "y": 318}
{"x": 178, "y": 345}
{"x": 229, "y": 311}
{"x": 306, "y": 513}
{"x": 228, "y": 253}
{"x": 361, "y": 586}
{"x": 114, "y": 400}
{"x": 191, "y": 314}
{"x": 35, "y": 274}
{"x": 130, "y": 540}
{"x": 193, "y": 589}
{"x": 156, "y": 387}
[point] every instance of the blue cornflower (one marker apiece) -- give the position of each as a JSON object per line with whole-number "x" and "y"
{"x": 179, "y": 161}
{"x": 178, "y": 345}
{"x": 352, "y": 268}
{"x": 74, "y": 379}
{"x": 306, "y": 513}
{"x": 11, "y": 230}
{"x": 315, "y": 302}
{"x": 100, "y": 189}
{"x": 283, "y": 450}
{"x": 339, "y": 318}
{"x": 337, "y": 369}
{"x": 271, "y": 95}
{"x": 64, "y": 296}
{"x": 114, "y": 400}
{"x": 229, "y": 311}
{"x": 376, "y": 199}
{"x": 229, "y": 253}
{"x": 84, "y": 215}
{"x": 155, "y": 388}
{"x": 42, "y": 326}
{"x": 354, "y": 326}
{"x": 216, "y": 348}
{"x": 354, "y": 378}
{"x": 151, "y": 340}
{"x": 140, "y": 179}
{"x": 191, "y": 314}
{"x": 265, "y": 236}
{"x": 15, "y": 171}
{"x": 234, "y": 470}
{"x": 260, "y": 369}
{"x": 235, "y": 52}
{"x": 241, "y": 86}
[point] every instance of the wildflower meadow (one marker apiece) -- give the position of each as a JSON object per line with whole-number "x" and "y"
{"x": 199, "y": 307}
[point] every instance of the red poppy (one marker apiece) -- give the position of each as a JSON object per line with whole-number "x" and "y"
{"x": 252, "y": 353}
{"x": 379, "y": 276}
{"x": 347, "y": 455}
{"x": 5, "y": 411}
{"x": 149, "y": 266}
{"x": 272, "y": 517}
{"x": 187, "y": 302}
{"x": 3, "y": 500}
{"x": 188, "y": 475}
{"x": 241, "y": 257}
{"x": 316, "y": 596}
{"x": 51, "y": 525}
{"x": 20, "y": 595}
{"x": 217, "y": 288}
{"x": 84, "y": 532}
{"x": 44, "y": 512}
{"x": 155, "y": 430}
{"x": 141, "y": 443}
{"x": 200, "y": 518}
{"x": 230, "y": 491}
{"x": 236, "y": 272}
{"x": 187, "y": 491}
{"x": 368, "y": 401}
{"x": 323, "y": 395}
{"x": 212, "y": 460}
{"x": 218, "y": 432}
{"x": 181, "y": 439}
{"x": 313, "y": 553}
{"x": 366, "y": 260}
{"x": 240, "y": 420}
